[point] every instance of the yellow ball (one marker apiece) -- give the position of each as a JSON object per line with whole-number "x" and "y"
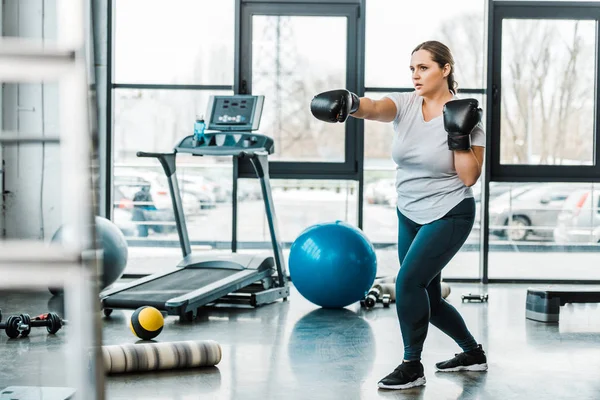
{"x": 146, "y": 322}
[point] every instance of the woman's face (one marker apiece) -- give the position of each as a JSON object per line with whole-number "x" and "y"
{"x": 427, "y": 76}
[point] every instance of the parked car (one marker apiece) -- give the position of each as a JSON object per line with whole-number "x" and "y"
{"x": 528, "y": 210}
{"x": 579, "y": 219}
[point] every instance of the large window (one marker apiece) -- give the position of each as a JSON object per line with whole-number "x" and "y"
{"x": 544, "y": 154}
{"x": 289, "y": 67}
{"x": 287, "y": 55}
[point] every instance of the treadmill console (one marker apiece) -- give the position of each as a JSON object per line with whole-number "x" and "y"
{"x": 231, "y": 122}
{"x": 235, "y": 113}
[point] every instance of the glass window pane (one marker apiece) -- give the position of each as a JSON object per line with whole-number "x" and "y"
{"x": 459, "y": 25}
{"x": 548, "y": 69}
{"x": 289, "y": 67}
{"x": 179, "y": 42}
{"x": 154, "y": 120}
{"x": 149, "y": 223}
{"x": 544, "y": 230}
{"x": 299, "y": 203}
{"x": 143, "y": 208}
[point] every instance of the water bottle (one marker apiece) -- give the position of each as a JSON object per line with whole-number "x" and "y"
{"x": 199, "y": 126}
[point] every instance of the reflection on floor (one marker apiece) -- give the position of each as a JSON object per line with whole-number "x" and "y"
{"x": 294, "y": 350}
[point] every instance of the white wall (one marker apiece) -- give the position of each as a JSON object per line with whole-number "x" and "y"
{"x": 31, "y": 171}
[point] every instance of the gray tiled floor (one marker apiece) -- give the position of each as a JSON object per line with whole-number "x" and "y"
{"x": 293, "y": 350}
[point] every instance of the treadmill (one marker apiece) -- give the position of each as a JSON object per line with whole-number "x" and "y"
{"x": 208, "y": 279}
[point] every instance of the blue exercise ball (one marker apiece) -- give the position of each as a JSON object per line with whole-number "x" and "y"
{"x": 114, "y": 251}
{"x": 333, "y": 264}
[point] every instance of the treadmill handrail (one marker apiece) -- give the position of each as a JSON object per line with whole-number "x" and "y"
{"x": 261, "y": 167}
{"x": 167, "y": 160}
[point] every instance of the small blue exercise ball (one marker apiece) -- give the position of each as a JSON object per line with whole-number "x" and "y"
{"x": 333, "y": 264}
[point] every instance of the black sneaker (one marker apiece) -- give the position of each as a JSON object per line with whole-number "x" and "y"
{"x": 406, "y": 375}
{"x": 474, "y": 360}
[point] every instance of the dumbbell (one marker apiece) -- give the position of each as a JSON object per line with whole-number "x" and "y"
{"x": 371, "y": 298}
{"x": 475, "y": 297}
{"x": 21, "y": 324}
{"x": 375, "y": 295}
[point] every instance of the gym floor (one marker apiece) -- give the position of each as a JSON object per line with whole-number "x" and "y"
{"x": 294, "y": 350}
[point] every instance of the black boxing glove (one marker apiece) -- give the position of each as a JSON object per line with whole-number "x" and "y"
{"x": 460, "y": 117}
{"x": 334, "y": 105}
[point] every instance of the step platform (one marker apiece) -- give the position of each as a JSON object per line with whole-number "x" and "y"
{"x": 543, "y": 304}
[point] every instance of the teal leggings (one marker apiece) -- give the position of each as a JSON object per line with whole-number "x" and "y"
{"x": 423, "y": 251}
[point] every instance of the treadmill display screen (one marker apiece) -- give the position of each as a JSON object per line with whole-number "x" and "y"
{"x": 237, "y": 113}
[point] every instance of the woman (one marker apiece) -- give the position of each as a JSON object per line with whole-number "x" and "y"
{"x": 438, "y": 147}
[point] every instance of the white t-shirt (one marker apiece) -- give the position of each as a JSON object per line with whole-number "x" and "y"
{"x": 426, "y": 181}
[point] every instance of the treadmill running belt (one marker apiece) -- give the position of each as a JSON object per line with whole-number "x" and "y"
{"x": 172, "y": 285}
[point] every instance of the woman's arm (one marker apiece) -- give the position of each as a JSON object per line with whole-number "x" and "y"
{"x": 383, "y": 110}
{"x": 468, "y": 164}
{"x": 336, "y": 105}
